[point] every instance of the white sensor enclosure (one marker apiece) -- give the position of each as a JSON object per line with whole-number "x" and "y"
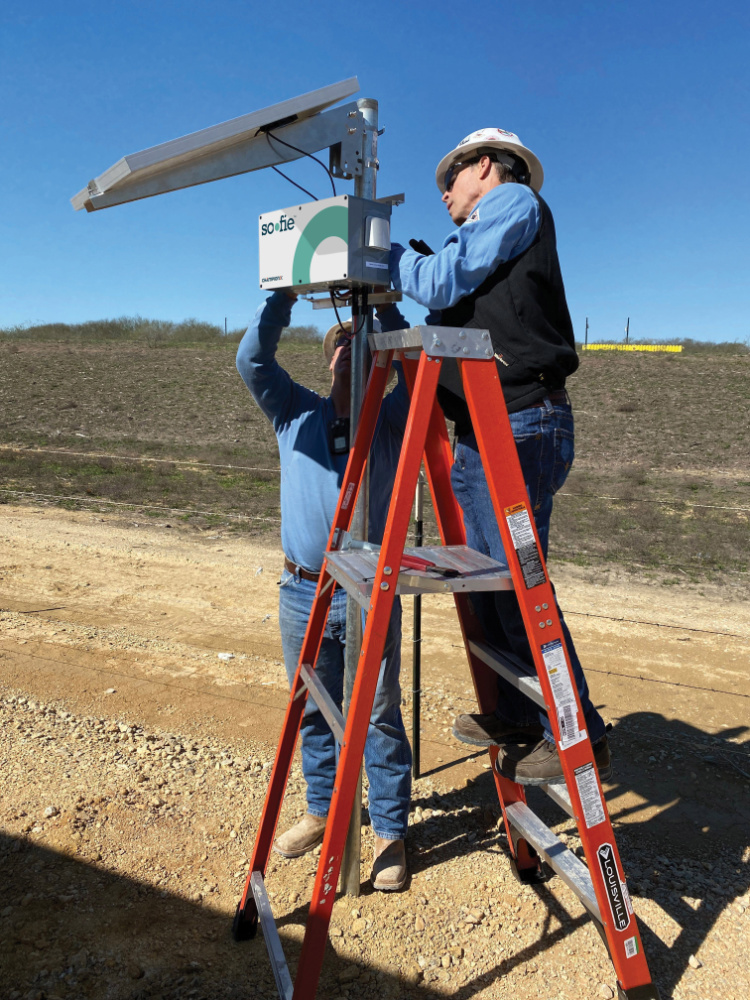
{"x": 342, "y": 241}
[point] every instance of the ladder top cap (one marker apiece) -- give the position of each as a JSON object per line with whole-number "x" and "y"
{"x": 463, "y": 343}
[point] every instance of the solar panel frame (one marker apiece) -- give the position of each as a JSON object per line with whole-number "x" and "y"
{"x": 169, "y": 156}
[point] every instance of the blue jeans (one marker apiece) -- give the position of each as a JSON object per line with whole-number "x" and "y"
{"x": 544, "y": 439}
{"x": 387, "y": 750}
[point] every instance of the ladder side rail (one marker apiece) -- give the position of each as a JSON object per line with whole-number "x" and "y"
{"x": 505, "y": 480}
{"x": 247, "y": 914}
{"x": 365, "y": 684}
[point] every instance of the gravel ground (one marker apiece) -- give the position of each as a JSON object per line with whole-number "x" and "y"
{"x": 124, "y": 853}
{"x": 135, "y": 762}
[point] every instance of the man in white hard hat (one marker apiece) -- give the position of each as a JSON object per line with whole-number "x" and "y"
{"x": 499, "y": 271}
{"x": 313, "y": 438}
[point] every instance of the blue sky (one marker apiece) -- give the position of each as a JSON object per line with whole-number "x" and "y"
{"x": 638, "y": 112}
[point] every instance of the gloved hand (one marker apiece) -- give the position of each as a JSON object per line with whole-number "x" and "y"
{"x": 421, "y": 247}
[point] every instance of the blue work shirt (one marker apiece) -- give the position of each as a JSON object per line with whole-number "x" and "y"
{"x": 311, "y": 476}
{"x": 502, "y": 225}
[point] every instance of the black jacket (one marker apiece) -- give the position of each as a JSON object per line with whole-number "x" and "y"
{"x": 523, "y": 305}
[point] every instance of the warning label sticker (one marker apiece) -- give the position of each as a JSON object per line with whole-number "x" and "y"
{"x": 562, "y": 693}
{"x": 519, "y": 525}
{"x": 591, "y": 800}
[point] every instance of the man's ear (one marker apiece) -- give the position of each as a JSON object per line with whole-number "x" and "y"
{"x": 485, "y": 168}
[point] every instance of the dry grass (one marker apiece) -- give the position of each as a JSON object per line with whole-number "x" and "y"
{"x": 649, "y": 427}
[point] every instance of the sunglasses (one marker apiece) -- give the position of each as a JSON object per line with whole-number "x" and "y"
{"x": 455, "y": 169}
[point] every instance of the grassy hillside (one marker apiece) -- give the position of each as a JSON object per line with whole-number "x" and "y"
{"x": 660, "y": 479}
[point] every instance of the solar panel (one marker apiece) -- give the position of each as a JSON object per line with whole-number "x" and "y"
{"x": 223, "y": 150}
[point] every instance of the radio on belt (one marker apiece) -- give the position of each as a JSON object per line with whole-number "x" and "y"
{"x": 342, "y": 241}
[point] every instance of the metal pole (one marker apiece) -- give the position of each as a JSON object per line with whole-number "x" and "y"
{"x": 364, "y": 187}
{"x": 586, "y": 341}
{"x": 416, "y": 665}
{"x": 627, "y": 330}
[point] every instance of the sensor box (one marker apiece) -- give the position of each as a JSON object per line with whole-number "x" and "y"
{"x": 342, "y": 241}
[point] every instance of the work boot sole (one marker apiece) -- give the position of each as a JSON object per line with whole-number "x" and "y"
{"x": 518, "y": 736}
{"x": 559, "y": 779}
{"x": 605, "y": 773}
{"x": 390, "y": 886}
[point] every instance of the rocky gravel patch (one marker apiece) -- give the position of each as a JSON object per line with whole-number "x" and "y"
{"x": 124, "y": 851}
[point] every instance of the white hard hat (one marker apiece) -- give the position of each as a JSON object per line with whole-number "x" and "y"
{"x": 500, "y": 139}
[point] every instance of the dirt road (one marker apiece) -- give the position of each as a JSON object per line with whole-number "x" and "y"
{"x": 135, "y": 760}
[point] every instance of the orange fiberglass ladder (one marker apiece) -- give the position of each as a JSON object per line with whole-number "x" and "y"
{"x": 373, "y": 577}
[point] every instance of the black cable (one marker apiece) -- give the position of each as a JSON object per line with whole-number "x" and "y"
{"x": 270, "y": 135}
{"x": 309, "y": 193}
{"x": 338, "y": 318}
{"x": 343, "y": 298}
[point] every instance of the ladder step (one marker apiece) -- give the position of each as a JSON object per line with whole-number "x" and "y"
{"x": 355, "y": 569}
{"x": 559, "y": 793}
{"x": 323, "y": 702}
{"x": 571, "y": 870}
{"x": 511, "y": 669}
{"x": 271, "y": 935}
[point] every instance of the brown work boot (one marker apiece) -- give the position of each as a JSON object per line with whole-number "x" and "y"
{"x": 302, "y": 837}
{"x": 540, "y": 764}
{"x": 389, "y": 865}
{"x": 489, "y": 731}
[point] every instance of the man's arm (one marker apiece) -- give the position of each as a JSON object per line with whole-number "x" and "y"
{"x": 271, "y": 386}
{"x": 503, "y": 224}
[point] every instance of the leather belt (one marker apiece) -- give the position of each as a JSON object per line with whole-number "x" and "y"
{"x": 300, "y": 571}
{"x": 556, "y": 396}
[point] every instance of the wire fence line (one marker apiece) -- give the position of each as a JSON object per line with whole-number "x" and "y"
{"x": 140, "y": 506}
{"x": 277, "y": 471}
{"x": 133, "y": 458}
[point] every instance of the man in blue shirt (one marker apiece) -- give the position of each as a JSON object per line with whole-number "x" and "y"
{"x": 309, "y": 429}
{"x": 500, "y": 271}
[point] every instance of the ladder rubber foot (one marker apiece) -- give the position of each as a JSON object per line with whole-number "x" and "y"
{"x": 244, "y": 929}
{"x": 531, "y": 876}
{"x": 647, "y": 992}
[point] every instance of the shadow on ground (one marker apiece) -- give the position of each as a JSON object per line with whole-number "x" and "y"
{"x": 679, "y": 805}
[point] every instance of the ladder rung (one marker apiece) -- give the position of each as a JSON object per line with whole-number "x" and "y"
{"x": 271, "y": 935}
{"x": 323, "y": 702}
{"x": 571, "y": 870}
{"x": 511, "y": 669}
{"x": 355, "y": 569}
{"x": 559, "y": 793}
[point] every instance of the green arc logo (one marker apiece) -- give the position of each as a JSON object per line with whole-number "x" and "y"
{"x": 332, "y": 221}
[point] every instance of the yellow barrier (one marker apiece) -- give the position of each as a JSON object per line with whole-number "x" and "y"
{"x": 673, "y": 348}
